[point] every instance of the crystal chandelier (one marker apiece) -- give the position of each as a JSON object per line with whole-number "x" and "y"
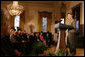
{"x": 15, "y": 8}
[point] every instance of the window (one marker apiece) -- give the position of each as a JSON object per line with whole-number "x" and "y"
{"x": 62, "y": 22}
{"x": 44, "y": 24}
{"x": 77, "y": 25}
{"x": 16, "y": 22}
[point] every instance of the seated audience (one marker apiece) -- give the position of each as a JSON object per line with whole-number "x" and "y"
{"x": 7, "y": 47}
{"x": 18, "y": 38}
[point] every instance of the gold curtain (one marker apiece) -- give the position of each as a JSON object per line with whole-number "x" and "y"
{"x": 40, "y": 22}
{"x": 12, "y": 21}
{"x": 22, "y": 20}
{"x": 49, "y": 19}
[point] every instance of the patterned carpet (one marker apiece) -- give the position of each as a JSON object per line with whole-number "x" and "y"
{"x": 79, "y": 52}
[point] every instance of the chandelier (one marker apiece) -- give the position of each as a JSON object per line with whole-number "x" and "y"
{"x": 15, "y": 8}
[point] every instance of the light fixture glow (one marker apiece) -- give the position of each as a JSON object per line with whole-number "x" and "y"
{"x": 15, "y": 8}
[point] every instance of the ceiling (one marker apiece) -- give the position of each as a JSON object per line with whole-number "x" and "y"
{"x": 37, "y": 2}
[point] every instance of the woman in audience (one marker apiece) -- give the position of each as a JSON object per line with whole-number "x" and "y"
{"x": 37, "y": 37}
{"x": 31, "y": 38}
{"x": 27, "y": 36}
{"x": 42, "y": 39}
{"x": 48, "y": 39}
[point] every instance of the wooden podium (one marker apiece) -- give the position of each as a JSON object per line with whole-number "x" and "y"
{"x": 61, "y": 28}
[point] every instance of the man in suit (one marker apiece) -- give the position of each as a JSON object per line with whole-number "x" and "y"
{"x": 71, "y": 34}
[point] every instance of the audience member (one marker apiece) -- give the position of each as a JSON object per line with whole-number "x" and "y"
{"x": 42, "y": 39}
{"x": 48, "y": 40}
{"x": 37, "y": 38}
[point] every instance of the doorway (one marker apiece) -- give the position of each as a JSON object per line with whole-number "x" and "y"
{"x": 76, "y": 15}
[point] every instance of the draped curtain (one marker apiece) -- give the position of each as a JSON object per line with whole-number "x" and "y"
{"x": 12, "y": 21}
{"x": 49, "y": 21}
{"x": 22, "y": 20}
{"x": 40, "y": 20}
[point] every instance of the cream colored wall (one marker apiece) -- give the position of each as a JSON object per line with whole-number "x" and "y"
{"x": 31, "y": 15}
